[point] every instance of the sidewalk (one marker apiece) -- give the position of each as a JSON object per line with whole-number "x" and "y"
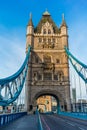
{"x": 28, "y": 122}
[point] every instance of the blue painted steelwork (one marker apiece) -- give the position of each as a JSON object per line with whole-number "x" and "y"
{"x": 11, "y": 87}
{"x": 58, "y": 107}
{"x": 6, "y": 118}
{"x": 80, "y": 68}
{"x": 75, "y": 115}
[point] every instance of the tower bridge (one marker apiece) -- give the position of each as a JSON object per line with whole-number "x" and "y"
{"x": 45, "y": 72}
{"x": 48, "y": 66}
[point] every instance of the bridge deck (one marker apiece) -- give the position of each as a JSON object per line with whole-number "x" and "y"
{"x": 56, "y": 122}
{"x": 28, "y": 122}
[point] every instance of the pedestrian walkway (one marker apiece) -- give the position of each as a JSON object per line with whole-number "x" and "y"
{"x": 28, "y": 122}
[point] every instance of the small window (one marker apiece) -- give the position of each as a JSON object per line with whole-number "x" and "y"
{"x": 44, "y": 31}
{"x": 35, "y": 76}
{"x": 47, "y": 76}
{"x": 49, "y": 40}
{"x": 53, "y": 40}
{"x": 39, "y": 76}
{"x": 60, "y": 77}
{"x": 49, "y": 31}
{"x": 36, "y": 60}
{"x": 40, "y": 40}
{"x": 55, "y": 76}
{"x": 44, "y": 40}
{"x": 57, "y": 61}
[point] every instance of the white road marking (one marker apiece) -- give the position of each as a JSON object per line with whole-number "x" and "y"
{"x": 81, "y": 128}
{"x": 70, "y": 124}
{"x": 48, "y": 128}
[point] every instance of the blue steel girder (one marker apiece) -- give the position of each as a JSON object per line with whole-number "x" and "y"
{"x": 11, "y": 87}
{"x": 79, "y": 67}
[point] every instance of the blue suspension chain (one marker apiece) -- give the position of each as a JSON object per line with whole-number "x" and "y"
{"x": 11, "y": 87}
{"x": 78, "y": 65}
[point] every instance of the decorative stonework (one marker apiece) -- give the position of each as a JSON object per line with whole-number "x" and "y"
{"x": 47, "y": 28}
{"x": 48, "y": 66}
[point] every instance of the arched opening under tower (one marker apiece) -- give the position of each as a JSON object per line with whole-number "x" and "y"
{"x": 47, "y": 103}
{"x": 40, "y": 101}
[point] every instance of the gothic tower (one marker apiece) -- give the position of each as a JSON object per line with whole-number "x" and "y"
{"x": 48, "y": 71}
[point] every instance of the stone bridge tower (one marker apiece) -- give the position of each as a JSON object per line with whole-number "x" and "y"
{"x": 48, "y": 71}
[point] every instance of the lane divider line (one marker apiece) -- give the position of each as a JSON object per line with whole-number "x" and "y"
{"x": 70, "y": 124}
{"x": 48, "y": 128}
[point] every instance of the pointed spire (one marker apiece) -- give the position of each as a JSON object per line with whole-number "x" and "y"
{"x": 63, "y": 21}
{"x": 63, "y": 17}
{"x": 30, "y": 21}
{"x": 30, "y": 15}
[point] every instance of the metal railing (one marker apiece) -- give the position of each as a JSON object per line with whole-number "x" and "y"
{"x": 79, "y": 115}
{"x": 6, "y": 118}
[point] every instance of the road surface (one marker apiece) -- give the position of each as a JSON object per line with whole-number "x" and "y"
{"x": 55, "y": 122}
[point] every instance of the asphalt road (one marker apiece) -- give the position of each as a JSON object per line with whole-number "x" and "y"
{"x": 55, "y": 122}
{"x": 49, "y": 122}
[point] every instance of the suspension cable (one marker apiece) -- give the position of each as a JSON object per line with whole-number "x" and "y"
{"x": 13, "y": 85}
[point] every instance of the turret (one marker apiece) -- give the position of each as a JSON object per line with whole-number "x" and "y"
{"x": 30, "y": 27}
{"x": 63, "y": 26}
{"x": 30, "y": 33}
{"x": 64, "y": 33}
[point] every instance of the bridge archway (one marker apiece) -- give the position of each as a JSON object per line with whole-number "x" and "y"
{"x": 59, "y": 99}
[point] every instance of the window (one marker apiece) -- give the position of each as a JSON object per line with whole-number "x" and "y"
{"x": 53, "y": 40}
{"x": 36, "y": 60}
{"x": 57, "y": 61}
{"x": 49, "y": 31}
{"x": 39, "y": 76}
{"x": 35, "y": 76}
{"x": 44, "y": 31}
{"x": 49, "y": 40}
{"x": 47, "y": 59}
{"x": 47, "y": 76}
{"x": 44, "y": 40}
{"x": 40, "y": 40}
{"x": 55, "y": 76}
{"x": 61, "y": 76}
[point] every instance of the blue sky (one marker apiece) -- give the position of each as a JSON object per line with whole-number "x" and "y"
{"x": 14, "y": 16}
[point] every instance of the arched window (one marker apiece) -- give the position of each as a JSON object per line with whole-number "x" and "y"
{"x": 47, "y": 59}
{"x": 49, "y": 31}
{"x": 44, "y": 31}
